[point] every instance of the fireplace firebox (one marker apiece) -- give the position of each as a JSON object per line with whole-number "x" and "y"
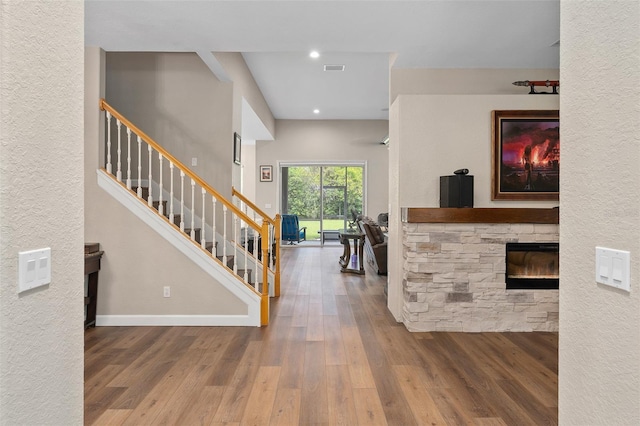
{"x": 532, "y": 266}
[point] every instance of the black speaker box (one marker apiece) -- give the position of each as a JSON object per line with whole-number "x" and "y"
{"x": 456, "y": 191}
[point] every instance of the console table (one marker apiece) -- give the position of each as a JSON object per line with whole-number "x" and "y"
{"x": 92, "y": 256}
{"x": 358, "y": 248}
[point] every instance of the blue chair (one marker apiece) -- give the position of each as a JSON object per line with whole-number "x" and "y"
{"x": 291, "y": 230}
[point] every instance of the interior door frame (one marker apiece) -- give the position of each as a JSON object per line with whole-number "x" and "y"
{"x": 346, "y": 163}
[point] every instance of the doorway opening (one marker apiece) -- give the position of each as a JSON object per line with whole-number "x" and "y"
{"x": 324, "y": 197}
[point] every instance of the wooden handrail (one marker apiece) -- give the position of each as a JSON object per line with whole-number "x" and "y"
{"x": 236, "y": 193}
{"x": 106, "y": 107}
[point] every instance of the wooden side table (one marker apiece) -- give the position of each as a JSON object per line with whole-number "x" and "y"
{"x": 358, "y": 248}
{"x": 92, "y": 256}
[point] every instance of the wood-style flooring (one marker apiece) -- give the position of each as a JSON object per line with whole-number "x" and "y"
{"x": 332, "y": 355}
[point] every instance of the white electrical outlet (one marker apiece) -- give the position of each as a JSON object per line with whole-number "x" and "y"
{"x": 167, "y": 291}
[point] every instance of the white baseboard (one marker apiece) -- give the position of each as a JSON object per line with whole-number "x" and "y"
{"x": 173, "y": 320}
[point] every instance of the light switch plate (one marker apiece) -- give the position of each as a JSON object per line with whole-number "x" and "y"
{"x": 613, "y": 268}
{"x": 34, "y": 269}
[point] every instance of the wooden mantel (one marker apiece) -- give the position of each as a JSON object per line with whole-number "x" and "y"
{"x": 480, "y": 215}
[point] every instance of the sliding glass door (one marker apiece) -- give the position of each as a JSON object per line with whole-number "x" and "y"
{"x": 324, "y": 197}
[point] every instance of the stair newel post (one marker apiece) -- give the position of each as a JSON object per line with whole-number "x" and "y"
{"x": 150, "y": 199}
{"x": 264, "y": 298}
{"x": 276, "y": 233}
{"x": 224, "y": 234}
{"x": 119, "y": 151}
{"x": 160, "y": 207}
{"x": 139, "y": 191}
{"x": 181, "y": 201}
{"x": 108, "y": 142}
{"x": 128, "y": 158}
{"x": 193, "y": 209}
{"x": 203, "y": 231}
{"x": 213, "y": 225}
{"x": 171, "y": 215}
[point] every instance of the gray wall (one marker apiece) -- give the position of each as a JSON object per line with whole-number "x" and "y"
{"x": 136, "y": 263}
{"x": 41, "y": 205}
{"x": 176, "y": 100}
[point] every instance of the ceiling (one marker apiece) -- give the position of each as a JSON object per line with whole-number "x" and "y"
{"x": 275, "y": 38}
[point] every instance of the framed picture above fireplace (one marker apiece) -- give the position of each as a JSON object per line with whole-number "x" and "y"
{"x": 525, "y": 155}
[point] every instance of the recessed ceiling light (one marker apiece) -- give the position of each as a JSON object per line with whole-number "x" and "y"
{"x": 316, "y": 111}
{"x": 314, "y": 54}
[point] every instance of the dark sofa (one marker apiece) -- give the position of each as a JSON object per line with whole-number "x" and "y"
{"x": 375, "y": 245}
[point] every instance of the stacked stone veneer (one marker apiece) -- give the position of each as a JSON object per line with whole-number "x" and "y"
{"x": 454, "y": 279}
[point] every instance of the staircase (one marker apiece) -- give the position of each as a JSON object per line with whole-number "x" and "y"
{"x": 210, "y": 246}
{"x": 219, "y": 236}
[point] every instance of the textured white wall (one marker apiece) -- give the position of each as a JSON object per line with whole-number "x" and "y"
{"x": 599, "y": 366}
{"x": 41, "y": 205}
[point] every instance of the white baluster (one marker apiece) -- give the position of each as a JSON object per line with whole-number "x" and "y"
{"x": 181, "y": 200}
{"x": 108, "y": 142}
{"x": 160, "y": 206}
{"x": 139, "y": 167}
{"x": 171, "y": 216}
{"x": 128, "y": 158}
{"x": 150, "y": 199}
{"x": 203, "y": 232}
{"x": 246, "y": 253}
{"x": 235, "y": 243}
{"x": 224, "y": 234}
{"x": 193, "y": 209}
{"x": 213, "y": 225}
{"x": 255, "y": 241}
{"x": 255, "y": 245}
{"x": 119, "y": 172}
{"x": 272, "y": 238}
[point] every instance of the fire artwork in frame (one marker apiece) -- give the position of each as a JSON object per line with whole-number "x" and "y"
{"x": 526, "y": 155}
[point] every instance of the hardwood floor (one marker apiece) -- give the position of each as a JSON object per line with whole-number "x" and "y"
{"x": 333, "y": 355}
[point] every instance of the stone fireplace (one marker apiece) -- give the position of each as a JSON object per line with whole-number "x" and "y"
{"x": 455, "y": 273}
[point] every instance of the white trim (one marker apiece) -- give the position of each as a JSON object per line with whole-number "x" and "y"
{"x": 173, "y": 320}
{"x": 184, "y": 244}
